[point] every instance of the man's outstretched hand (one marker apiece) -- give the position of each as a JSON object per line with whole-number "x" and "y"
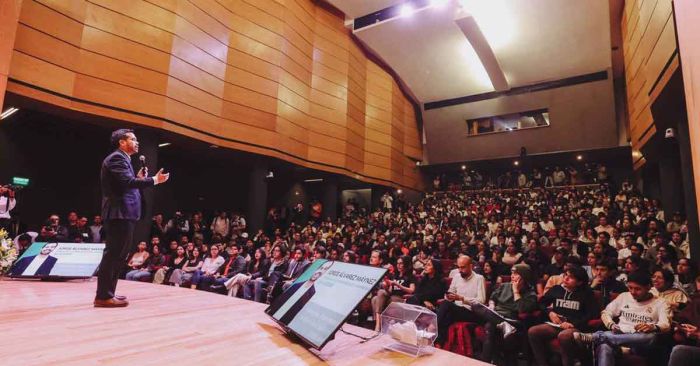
{"x": 161, "y": 177}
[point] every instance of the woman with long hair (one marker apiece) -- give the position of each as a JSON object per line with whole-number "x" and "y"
{"x": 259, "y": 264}
{"x": 193, "y": 263}
{"x": 431, "y": 288}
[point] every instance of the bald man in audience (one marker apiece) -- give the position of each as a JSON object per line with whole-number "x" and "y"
{"x": 466, "y": 288}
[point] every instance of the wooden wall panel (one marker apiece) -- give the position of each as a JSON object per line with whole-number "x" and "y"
{"x": 282, "y": 78}
{"x": 9, "y": 17}
{"x": 648, "y": 44}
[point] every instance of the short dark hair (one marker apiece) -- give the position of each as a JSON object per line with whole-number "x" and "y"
{"x": 119, "y": 135}
{"x": 608, "y": 263}
{"x": 642, "y": 278}
{"x": 579, "y": 274}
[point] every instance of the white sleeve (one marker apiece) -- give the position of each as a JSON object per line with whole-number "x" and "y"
{"x": 13, "y": 202}
{"x": 481, "y": 291}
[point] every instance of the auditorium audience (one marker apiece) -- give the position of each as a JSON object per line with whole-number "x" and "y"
{"x": 576, "y": 248}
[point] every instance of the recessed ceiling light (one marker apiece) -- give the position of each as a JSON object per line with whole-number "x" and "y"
{"x": 399, "y": 191}
{"x": 418, "y": 163}
{"x": 313, "y": 180}
{"x": 164, "y": 144}
{"x": 579, "y": 157}
{"x": 464, "y": 167}
{"x": 214, "y": 146}
{"x": 516, "y": 163}
{"x": 406, "y": 10}
{"x": 8, "y": 112}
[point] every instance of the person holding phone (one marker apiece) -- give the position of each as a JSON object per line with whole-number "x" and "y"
{"x": 465, "y": 288}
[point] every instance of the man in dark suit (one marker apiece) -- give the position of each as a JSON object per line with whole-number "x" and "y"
{"x": 306, "y": 291}
{"x": 280, "y": 281}
{"x": 121, "y": 209}
{"x": 39, "y": 265}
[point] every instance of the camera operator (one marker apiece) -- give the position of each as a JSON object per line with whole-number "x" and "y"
{"x": 7, "y": 203}
{"x": 178, "y": 226}
{"x": 53, "y": 231}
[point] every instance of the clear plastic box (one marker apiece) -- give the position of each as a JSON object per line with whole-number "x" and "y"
{"x": 412, "y": 327}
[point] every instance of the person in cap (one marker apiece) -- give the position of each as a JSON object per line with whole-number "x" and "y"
{"x": 506, "y": 302}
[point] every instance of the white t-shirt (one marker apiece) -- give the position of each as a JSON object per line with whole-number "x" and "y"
{"x": 631, "y": 312}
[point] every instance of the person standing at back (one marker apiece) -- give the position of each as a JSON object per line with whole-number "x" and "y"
{"x": 121, "y": 209}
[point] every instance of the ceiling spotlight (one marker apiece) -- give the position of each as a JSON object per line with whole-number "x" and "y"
{"x": 418, "y": 163}
{"x": 464, "y": 167}
{"x": 313, "y": 180}
{"x": 296, "y": 193}
{"x": 579, "y": 157}
{"x": 164, "y": 144}
{"x": 399, "y": 191}
{"x": 8, "y": 112}
{"x": 516, "y": 163}
{"x": 406, "y": 10}
{"x": 214, "y": 146}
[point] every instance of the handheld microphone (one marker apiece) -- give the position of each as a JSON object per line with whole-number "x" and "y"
{"x": 142, "y": 159}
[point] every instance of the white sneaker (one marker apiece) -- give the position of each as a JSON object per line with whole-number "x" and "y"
{"x": 506, "y": 328}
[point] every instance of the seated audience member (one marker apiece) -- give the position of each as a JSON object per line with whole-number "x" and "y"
{"x": 685, "y": 276}
{"x": 194, "y": 263}
{"x": 137, "y": 263}
{"x": 558, "y": 279}
{"x": 490, "y": 275}
{"x": 155, "y": 261}
{"x": 662, "y": 281}
{"x": 259, "y": 264}
{"x": 176, "y": 261}
{"x": 633, "y": 264}
{"x": 258, "y": 284}
{"x": 233, "y": 265}
{"x": 204, "y": 276}
{"x": 420, "y": 259}
{"x": 512, "y": 255}
{"x": 688, "y": 354}
{"x": 431, "y": 288}
{"x": 605, "y": 282}
{"x": 394, "y": 287}
{"x": 569, "y": 307}
{"x": 507, "y": 300}
{"x": 349, "y": 256}
{"x": 280, "y": 281}
{"x": 641, "y": 318}
{"x": 466, "y": 288}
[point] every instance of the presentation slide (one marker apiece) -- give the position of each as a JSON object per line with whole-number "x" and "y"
{"x": 320, "y": 300}
{"x": 58, "y": 260}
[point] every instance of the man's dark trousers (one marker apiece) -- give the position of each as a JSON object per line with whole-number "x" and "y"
{"x": 120, "y": 235}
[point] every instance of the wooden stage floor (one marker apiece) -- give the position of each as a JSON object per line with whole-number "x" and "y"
{"x": 55, "y": 323}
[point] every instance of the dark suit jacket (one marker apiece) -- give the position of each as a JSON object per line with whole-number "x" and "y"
{"x": 294, "y": 309}
{"x": 43, "y": 270}
{"x": 121, "y": 198}
{"x": 295, "y": 269}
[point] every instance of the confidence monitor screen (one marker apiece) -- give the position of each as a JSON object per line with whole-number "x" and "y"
{"x": 69, "y": 260}
{"x": 319, "y": 301}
